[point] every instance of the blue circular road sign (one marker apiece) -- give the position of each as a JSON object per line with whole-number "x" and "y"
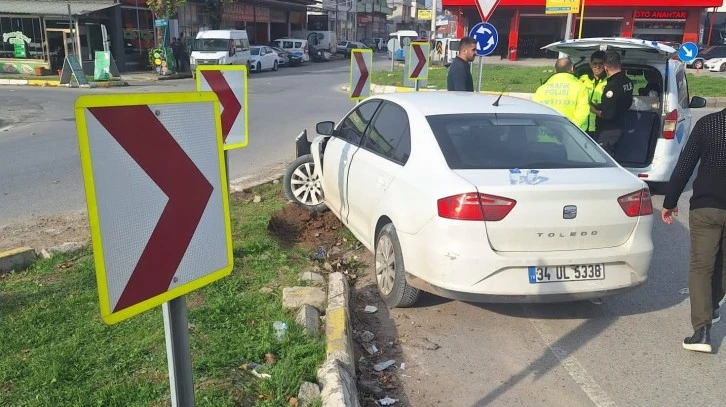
{"x": 486, "y": 37}
{"x": 688, "y": 52}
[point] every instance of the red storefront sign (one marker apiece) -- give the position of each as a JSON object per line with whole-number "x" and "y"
{"x": 644, "y": 4}
{"x": 661, "y": 14}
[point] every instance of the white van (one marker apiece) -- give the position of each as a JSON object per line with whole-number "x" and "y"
{"x": 220, "y": 47}
{"x": 658, "y": 123}
{"x": 296, "y": 46}
{"x": 399, "y": 39}
{"x": 322, "y": 40}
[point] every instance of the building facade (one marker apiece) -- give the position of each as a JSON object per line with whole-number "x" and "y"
{"x": 524, "y": 27}
{"x": 39, "y": 34}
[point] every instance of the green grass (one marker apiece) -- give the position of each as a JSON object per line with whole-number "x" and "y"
{"x": 526, "y": 79}
{"x": 56, "y": 351}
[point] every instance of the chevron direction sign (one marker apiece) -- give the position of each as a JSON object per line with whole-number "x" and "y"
{"x": 229, "y": 83}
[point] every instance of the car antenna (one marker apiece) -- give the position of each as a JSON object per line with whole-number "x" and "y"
{"x": 496, "y": 102}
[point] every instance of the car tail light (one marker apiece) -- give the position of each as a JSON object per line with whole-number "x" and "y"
{"x": 473, "y": 206}
{"x": 669, "y": 127}
{"x": 637, "y": 204}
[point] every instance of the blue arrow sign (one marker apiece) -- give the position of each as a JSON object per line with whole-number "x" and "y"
{"x": 688, "y": 52}
{"x": 486, "y": 37}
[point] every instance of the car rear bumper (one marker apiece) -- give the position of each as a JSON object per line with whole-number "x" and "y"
{"x": 461, "y": 265}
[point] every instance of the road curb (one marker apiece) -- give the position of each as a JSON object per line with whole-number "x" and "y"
{"x": 711, "y": 101}
{"x": 337, "y": 374}
{"x": 17, "y": 259}
{"x": 56, "y": 83}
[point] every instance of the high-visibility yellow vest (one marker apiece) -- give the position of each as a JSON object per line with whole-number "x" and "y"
{"x": 594, "y": 89}
{"x": 564, "y": 93}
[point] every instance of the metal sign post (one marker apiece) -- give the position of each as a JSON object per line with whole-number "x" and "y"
{"x": 178, "y": 352}
{"x": 486, "y": 37}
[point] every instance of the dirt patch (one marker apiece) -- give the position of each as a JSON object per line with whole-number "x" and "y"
{"x": 374, "y": 385}
{"x": 295, "y": 225}
{"x": 45, "y": 231}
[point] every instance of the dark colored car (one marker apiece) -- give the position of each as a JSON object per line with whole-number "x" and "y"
{"x": 292, "y": 59}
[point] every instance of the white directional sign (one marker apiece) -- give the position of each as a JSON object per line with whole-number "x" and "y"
{"x": 361, "y": 65}
{"x": 418, "y": 65}
{"x": 229, "y": 83}
{"x": 486, "y": 8}
{"x": 156, "y": 191}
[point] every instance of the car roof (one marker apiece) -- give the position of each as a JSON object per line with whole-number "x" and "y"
{"x": 436, "y": 103}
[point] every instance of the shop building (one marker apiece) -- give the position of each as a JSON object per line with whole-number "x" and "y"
{"x": 524, "y": 28}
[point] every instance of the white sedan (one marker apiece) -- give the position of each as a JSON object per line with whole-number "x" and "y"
{"x": 716, "y": 65}
{"x": 476, "y": 198}
{"x": 262, "y": 57}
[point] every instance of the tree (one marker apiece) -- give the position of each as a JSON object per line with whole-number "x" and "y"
{"x": 164, "y": 8}
{"x": 215, "y": 8}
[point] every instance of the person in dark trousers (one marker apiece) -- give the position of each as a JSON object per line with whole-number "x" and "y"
{"x": 707, "y": 222}
{"x": 459, "y": 76}
{"x": 616, "y": 100}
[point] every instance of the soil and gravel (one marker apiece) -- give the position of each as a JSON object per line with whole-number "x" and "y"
{"x": 45, "y": 231}
{"x": 320, "y": 234}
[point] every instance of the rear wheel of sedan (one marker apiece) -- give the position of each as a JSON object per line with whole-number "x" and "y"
{"x": 302, "y": 185}
{"x": 390, "y": 276}
{"x": 722, "y": 68}
{"x": 274, "y": 66}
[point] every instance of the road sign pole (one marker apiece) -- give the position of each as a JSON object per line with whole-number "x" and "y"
{"x": 481, "y": 67}
{"x": 226, "y": 166}
{"x": 178, "y": 352}
{"x": 415, "y": 85}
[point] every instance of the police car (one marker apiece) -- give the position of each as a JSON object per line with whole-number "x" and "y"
{"x": 658, "y": 123}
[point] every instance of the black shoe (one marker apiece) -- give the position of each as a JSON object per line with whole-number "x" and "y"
{"x": 715, "y": 316}
{"x": 700, "y": 341}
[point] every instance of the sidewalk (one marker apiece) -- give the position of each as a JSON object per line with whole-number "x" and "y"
{"x": 126, "y": 79}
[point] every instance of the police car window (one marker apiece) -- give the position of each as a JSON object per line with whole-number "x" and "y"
{"x": 483, "y": 141}
{"x": 682, "y": 89}
{"x": 355, "y": 124}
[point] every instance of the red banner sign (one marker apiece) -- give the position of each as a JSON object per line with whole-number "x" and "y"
{"x": 661, "y": 14}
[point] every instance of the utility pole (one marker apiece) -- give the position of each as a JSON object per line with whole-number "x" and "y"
{"x": 70, "y": 25}
{"x": 568, "y": 31}
{"x": 433, "y": 18}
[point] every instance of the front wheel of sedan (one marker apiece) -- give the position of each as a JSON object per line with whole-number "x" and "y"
{"x": 302, "y": 185}
{"x": 390, "y": 276}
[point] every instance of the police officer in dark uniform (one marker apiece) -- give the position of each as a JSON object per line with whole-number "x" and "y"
{"x": 616, "y": 100}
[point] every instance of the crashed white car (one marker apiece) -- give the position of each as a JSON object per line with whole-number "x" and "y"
{"x": 716, "y": 64}
{"x": 477, "y": 197}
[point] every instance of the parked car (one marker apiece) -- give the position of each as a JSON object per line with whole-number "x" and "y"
{"x": 657, "y": 127}
{"x": 445, "y": 212}
{"x": 262, "y": 58}
{"x": 295, "y": 46}
{"x": 709, "y": 53}
{"x": 287, "y": 58}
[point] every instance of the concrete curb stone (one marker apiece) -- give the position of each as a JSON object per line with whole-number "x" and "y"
{"x": 337, "y": 375}
{"x": 17, "y": 259}
{"x": 56, "y": 83}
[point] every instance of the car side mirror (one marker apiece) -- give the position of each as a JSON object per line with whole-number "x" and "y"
{"x": 325, "y": 128}
{"x": 697, "y": 102}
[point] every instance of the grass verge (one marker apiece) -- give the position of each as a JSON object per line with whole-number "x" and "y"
{"x": 55, "y": 350}
{"x": 527, "y": 79}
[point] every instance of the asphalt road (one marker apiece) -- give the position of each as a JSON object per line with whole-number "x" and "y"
{"x": 624, "y": 351}
{"x": 39, "y": 163}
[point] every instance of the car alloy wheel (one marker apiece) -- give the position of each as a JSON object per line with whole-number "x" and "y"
{"x": 385, "y": 265}
{"x": 302, "y": 185}
{"x": 390, "y": 271}
{"x": 698, "y": 64}
{"x": 274, "y": 66}
{"x": 259, "y": 67}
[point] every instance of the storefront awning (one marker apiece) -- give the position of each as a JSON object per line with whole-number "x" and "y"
{"x": 53, "y": 7}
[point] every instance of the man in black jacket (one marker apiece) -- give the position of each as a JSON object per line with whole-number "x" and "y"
{"x": 459, "y": 76}
{"x": 707, "y": 222}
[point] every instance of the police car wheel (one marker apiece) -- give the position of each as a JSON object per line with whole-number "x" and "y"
{"x": 302, "y": 186}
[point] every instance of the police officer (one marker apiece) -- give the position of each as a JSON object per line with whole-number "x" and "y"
{"x": 616, "y": 100}
{"x": 564, "y": 93}
{"x": 594, "y": 82}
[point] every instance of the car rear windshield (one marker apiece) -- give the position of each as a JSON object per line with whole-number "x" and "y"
{"x": 502, "y": 141}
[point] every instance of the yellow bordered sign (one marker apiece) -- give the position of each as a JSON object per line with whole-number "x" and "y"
{"x": 139, "y": 153}
{"x": 418, "y": 63}
{"x": 230, "y": 84}
{"x": 361, "y": 68}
